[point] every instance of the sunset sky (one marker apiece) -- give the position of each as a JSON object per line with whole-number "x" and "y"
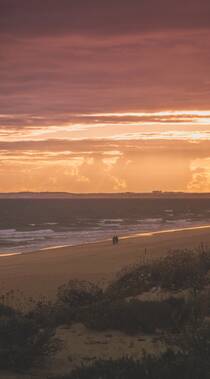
{"x": 104, "y": 96}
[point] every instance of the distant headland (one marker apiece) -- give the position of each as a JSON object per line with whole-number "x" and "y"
{"x": 69, "y": 195}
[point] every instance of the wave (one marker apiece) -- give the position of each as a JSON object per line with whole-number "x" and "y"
{"x": 14, "y": 232}
{"x": 15, "y": 240}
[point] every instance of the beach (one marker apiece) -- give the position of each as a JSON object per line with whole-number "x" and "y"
{"x": 40, "y": 273}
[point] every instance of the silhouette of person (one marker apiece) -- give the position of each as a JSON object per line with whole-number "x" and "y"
{"x": 115, "y": 240}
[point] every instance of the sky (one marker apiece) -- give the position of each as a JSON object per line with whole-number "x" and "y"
{"x": 105, "y": 96}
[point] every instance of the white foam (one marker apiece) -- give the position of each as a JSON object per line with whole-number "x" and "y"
{"x": 15, "y": 241}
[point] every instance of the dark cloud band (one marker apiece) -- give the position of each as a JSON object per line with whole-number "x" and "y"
{"x": 44, "y": 17}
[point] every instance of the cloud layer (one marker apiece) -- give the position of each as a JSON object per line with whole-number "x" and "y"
{"x": 92, "y": 86}
{"x": 104, "y": 166}
{"x": 99, "y": 17}
{"x": 87, "y": 56}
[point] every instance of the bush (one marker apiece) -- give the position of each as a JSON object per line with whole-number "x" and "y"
{"x": 195, "y": 339}
{"x": 169, "y": 365}
{"x": 131, "y": 281}
{"x": 22, "y": 341}
{"x": 180, "y": 270}
{"x": 72, "y": 297}
{"x": 137, "y": 316}
{"x": 78, "y": 293}
{"x": 6, "y": 311}
{"x": 43, "y": 314}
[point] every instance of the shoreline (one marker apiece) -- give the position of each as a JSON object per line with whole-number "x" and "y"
{"x": 149, "y": 234}
{"x": 124, "y": 237}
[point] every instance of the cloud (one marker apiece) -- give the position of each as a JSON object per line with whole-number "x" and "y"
{"x": 49, "y": 77}
{"x": 179, "y": 125}
{"x": 107, "y": 148}
{"x": 83, "y": 88}
{"x": 42, "y": 17}
{"x": 104, "y": 166}
{"x": 200, "y": 169}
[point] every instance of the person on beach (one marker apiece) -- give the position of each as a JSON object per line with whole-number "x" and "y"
{"x": 115, "y": 240}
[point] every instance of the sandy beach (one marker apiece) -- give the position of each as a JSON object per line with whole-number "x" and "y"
{"x": 40, "y": 273}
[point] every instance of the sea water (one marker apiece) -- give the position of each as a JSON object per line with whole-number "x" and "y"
{"x": 28, "y": 225}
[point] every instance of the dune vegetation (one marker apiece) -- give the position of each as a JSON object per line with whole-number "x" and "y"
{"x": 130, "y": 304}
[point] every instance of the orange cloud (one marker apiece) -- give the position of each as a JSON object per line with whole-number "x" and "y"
{"x": 105, "y": 166}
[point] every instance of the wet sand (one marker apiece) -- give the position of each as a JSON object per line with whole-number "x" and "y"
{"x": 40, "y": 273}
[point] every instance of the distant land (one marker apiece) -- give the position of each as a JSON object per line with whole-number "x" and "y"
{"x": 68, "y": 195}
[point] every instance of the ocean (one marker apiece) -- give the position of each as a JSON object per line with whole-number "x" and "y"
{"x": 28, "y": 225}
